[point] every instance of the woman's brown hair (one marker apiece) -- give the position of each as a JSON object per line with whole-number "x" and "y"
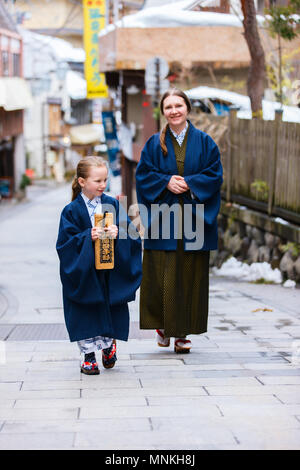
{"x": 171, "y": 92}
{"x": 83, "y": 170}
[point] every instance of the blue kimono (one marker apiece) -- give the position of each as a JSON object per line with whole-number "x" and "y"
{"x": 95, "y": 302}
{"x": 202, "y": 173}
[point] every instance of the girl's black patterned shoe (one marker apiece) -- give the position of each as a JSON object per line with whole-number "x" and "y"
{"x": 90, "y": 368}
{"x": 109, "y": 356}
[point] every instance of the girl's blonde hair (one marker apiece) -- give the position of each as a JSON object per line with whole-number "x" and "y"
{"x": 83, "y": 170}
{"x": 171, "y": 92}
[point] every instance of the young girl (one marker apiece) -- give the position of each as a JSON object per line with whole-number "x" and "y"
{"x": 95, "y": 301}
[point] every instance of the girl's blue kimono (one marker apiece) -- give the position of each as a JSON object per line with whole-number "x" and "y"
{"x": 95, "y": 301}
{"x": 202, "y": 173}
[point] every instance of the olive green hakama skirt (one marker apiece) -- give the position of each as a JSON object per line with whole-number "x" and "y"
{"x": 174, "y": 291}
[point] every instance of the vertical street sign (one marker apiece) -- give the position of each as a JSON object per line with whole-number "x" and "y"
{"x": 112, "y": 142}
{"x": 94, "y": 13}
{"x": 157, "y": 69}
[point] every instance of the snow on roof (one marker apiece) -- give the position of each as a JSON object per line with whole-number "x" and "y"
{"x": 174, "y": 15}
{"x": 159, "y": 3}
{"x": 290, "y": 113}
{"x": 76, "y": 85}
{"x": 60, "y": 49}
{"x": 42, "y": 54}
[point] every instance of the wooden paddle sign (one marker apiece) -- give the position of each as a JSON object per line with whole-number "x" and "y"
{"x": 104, "y": 246}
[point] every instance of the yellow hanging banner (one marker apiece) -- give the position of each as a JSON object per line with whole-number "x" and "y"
{"x": 94, "y": 12}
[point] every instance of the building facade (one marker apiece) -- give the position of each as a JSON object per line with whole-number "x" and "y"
{"x": 14, "y": 98}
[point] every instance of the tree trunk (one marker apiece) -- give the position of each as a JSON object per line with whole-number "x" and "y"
{"x": 256, "y": 78}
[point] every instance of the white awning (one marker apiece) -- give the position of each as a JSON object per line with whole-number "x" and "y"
{"x": 14, "y": 94}
{"x": 87, "y": 134}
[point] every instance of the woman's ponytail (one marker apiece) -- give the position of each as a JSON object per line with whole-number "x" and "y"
{"x": 162, "y": 140}
{"x": 76, "y": 188}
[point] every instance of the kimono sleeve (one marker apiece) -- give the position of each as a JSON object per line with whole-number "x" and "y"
{"x": 209, "y": 180}
{"x": 150, "y": 180}
{"x": 76, "y": 254}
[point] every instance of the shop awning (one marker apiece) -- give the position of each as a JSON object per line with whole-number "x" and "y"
{"x": 87, "y": 134}
{"x": 14, "y": 94}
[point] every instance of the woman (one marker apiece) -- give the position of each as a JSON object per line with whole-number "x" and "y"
{"x": 179, "y": 166}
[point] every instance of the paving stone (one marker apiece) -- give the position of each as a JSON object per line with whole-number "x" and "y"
{"x": 56, "y": 356}
{"x": 160, "y": 439}
{"x": 289, "y": 398}
{"x": 212, "y": 400}
{"x": 285, "y": 366}
{"x": 263, "y": 390}
{"x": 4, "y": 404}
{"x": 200, "y": 382}
{"x": 109, "y": 425}
{"x": 94, "y": 382}
{"x": 37, "y": 441}
{"x": 154, "y": 362}
{"x": 15, "y": 414}
{"x": 39, "y": 394}
{"x": 278, "y": 410}
{"x": 192, "y": 373}
{"x": 286, "y": 380}
{"x": 79, "y": 403}
{"x": 287, "y": 439}
{"x": 7, "y": 387}
{"x": 148, "y": 412}
{"x": 145, "y": 391}
{"x": 54, "y": 374}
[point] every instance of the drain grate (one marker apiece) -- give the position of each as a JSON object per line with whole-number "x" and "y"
{"x": 38, "y": 332}
{"x": 55, "y": 332}
{"x": 5, "y": 330}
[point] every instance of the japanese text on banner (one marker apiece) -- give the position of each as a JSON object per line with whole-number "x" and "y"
{"x": 94, "y": 20}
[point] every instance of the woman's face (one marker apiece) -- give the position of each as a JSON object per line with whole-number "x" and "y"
{"x": 175, "y": 111}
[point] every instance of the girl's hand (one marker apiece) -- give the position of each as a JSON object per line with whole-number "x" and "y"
{"x": 97, "y": 233}
{"x": 177, "y": 185}
{"x": 111, "y": 231}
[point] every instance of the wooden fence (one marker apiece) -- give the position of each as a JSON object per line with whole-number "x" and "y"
{"x": 261, "y": 161}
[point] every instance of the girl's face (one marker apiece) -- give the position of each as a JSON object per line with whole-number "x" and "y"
{"x": 95, "y": 184}
{"x": 175, "y": 111}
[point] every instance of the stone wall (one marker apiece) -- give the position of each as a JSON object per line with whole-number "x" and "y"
{"x": 253, "y": 237}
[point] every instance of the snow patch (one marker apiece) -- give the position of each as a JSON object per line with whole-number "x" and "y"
{"x": 289, "y": 283}
{"x": 254, "y": 272}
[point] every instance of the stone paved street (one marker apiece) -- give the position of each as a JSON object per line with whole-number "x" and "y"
{"x": 238, "y": 389}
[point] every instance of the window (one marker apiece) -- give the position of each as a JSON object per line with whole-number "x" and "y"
{"x": 16, "y": 65}
{"x": 5, "y": 64}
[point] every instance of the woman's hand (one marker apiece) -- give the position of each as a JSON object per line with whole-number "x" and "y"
{"x": 177, "y": 185}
